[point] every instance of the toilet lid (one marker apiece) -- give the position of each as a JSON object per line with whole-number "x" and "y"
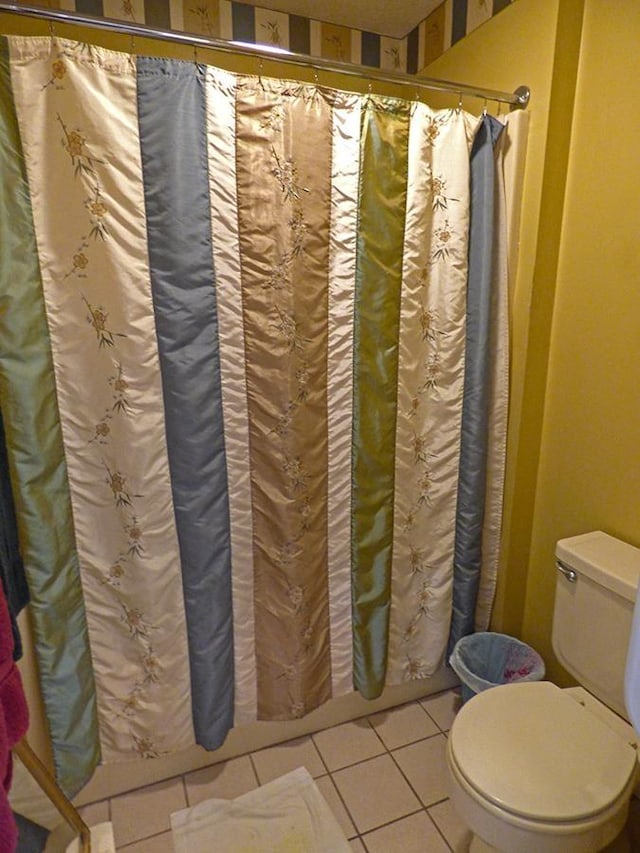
{"x": 534, "y": 751}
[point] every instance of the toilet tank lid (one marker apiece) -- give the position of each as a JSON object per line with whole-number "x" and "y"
{"x": 608, "y": 561}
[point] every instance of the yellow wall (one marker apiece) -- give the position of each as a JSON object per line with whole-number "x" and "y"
{"x": 520, "y": 47}
{"x": 589, "y": 473}
{"x": 574, "y": 442}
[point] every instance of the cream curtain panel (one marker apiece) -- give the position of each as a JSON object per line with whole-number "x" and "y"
{"x": 233, "y": 331}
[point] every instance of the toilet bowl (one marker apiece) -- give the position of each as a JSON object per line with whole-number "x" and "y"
{"x": 537, "y": 769}
{"x": 533, "y": 771}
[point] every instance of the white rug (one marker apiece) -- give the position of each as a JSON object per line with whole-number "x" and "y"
{"x": 288, "y": 815}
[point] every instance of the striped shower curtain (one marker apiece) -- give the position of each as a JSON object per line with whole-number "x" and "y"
{"x": 233, "y": 361}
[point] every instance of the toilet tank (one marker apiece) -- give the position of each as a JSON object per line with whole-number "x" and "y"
{"x": 596, "y": 584}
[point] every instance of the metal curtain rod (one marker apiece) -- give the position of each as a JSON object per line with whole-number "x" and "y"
{"x": 519, "y": 98}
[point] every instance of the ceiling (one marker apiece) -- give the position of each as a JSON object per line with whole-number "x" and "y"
{"x": 386, "y": 17}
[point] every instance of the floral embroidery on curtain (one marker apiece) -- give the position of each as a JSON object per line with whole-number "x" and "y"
{"x": 253, "y": 298}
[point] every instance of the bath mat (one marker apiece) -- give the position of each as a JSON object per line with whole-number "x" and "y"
{"x": 288, "y": 815}
{"x": 102, "y": 840}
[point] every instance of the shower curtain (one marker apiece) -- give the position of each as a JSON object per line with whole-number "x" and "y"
{"x": 238, "y": 378}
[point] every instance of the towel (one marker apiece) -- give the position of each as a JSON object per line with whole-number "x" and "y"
{"x": 14, "y": 721}
{"x": 284, "y": 816}
{"x": 14, "y": 582}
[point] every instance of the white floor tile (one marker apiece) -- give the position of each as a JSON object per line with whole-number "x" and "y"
{"x": 451, "y": 826}
{"x": 139, "y": 814}
{"x": 413, "y": 834}
{"x": 347, "y": 744}
{"x": 227, "y": 781}
{"x": 330, "y": 793}
{"x": 95, "y": 813}
{"x": 277, "y": 760}
{"x": 375, "y": 793}
{"x": 368, "y": 792}
{"x": 156, "y": 844}
{"x": 424, "y": 765}
{"x": 442, "y": 708}
{"x": 406, "y": 724}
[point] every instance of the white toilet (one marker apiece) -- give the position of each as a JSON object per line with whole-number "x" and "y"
{"x": 537, "y": 769}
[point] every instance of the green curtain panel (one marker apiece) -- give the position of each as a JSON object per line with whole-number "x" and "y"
{"x": 232, "y": 364}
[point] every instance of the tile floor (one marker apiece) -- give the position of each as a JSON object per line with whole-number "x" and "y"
{"x": 383, "y": 776}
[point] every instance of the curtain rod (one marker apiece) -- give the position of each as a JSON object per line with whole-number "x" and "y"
{"x": 519, "y": 98}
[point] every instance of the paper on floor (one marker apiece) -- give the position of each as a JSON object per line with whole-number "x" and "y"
{"x": 288, "y": 815}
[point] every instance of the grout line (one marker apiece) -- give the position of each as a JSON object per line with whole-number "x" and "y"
{"x": 320, "y": 756}
{"x": 457, "y": 706}
{"x": 422, "y": 808}
{"x": 324, "y": 763}
{"x": 353, "y": 763}
{"x": 361, "y": 761}
{"x": 375, "y": 730}
{"x": 346, "y": 807}
{"x": 438, "y": 803}
{"x": 124, "y": 847}
{"x": 388, "y": 751}
{"x": 438, "y": 830}
{"x": 385, "y": 750}
{"x": 158, "y": 782}
{"x": 407, "y": 780}
{"x": 389, "y": 823}
{"x": 435, "y": 722}
{"x": 254, "y": 768}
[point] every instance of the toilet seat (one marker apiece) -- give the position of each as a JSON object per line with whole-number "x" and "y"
{"x": 535, "y": 753}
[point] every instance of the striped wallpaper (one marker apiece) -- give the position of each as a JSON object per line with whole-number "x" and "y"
{"x": 226, "y": 19}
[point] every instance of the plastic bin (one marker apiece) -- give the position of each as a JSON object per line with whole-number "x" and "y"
{"x": 487, "y": 659}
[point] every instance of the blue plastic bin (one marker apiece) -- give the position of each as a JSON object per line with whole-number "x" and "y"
{"x": 487, "y": 659}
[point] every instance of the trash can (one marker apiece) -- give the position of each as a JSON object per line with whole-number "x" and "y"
{"x": 487, "y": 659}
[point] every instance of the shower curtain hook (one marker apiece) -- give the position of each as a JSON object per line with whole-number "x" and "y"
{"x": 459, "y": 107}
{"x": 195, "y": 54}
{"x": 51, "y": 31}
{"x": 133, "y": 43}
{"x": 484, "y": 111}
{"x": 260, "y": 64}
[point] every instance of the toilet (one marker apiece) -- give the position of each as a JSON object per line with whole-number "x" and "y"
{"x": 538, "y": 769}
